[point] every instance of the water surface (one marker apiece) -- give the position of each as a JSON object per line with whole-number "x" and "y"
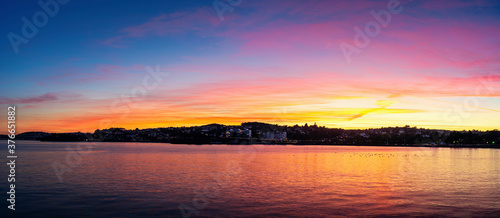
{"x": 155, "y": 179}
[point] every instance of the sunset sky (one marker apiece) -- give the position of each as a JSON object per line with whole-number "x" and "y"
{"x": 101, "y": 64}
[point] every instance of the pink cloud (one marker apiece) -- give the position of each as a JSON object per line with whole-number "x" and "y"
{"x": 447, "y": 5}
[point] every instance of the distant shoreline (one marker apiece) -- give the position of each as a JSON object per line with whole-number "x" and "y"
{"x": 295, "y": 144}
{"x": 264, "y": 133}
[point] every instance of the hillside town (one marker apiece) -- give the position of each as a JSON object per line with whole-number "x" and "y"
{"x": 263, "y": 133}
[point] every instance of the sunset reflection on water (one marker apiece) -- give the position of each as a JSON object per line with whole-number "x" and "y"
{"x": 118, "y": 179}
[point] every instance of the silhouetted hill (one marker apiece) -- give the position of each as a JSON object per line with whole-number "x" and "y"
{"x": 32, "y": 135}
{"x": 265, "y": 133}
{"x": 213, "y": 125}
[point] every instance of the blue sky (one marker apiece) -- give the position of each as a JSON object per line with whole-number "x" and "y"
{"x": 262, "y": 58}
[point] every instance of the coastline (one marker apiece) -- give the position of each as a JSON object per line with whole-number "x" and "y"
{"x": 300, "y": 144}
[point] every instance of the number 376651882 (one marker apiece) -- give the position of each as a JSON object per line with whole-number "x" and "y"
{"x": 11, "y": 121}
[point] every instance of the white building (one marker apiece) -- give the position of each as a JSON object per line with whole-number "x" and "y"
{"x": 274, "y": 135}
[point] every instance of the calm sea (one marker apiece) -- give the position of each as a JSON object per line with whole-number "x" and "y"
{"x": 164, "y": 180}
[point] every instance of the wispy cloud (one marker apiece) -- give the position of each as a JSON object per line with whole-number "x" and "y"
{"x": 199, "y": 21}
{"x": 31, "y": 100}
